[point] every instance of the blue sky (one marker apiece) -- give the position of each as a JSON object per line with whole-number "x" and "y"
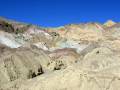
{"x": 54, "y": 13}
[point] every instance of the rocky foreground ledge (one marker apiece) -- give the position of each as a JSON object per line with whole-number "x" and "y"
{"x": 72, "y": 57}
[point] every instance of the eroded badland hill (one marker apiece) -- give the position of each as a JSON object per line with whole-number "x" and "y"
{"x": 72, "y": 57}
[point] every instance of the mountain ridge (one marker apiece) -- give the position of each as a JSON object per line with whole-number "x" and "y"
{"x": 83, "y": 56}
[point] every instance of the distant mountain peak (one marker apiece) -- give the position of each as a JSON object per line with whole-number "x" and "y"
{"x": 109, "y": 23}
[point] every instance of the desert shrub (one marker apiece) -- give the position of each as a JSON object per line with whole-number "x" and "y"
{"x": 18, "y": 31}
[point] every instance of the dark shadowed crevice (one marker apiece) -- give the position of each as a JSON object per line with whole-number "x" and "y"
{"x": 40, "y": 71}
{"x": 97, "y": 52}
{"x": 32, "y": 74}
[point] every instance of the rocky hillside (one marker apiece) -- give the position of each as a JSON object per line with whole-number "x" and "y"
{"x": 83, "y": 56}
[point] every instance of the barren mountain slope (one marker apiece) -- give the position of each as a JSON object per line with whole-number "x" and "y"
{"x": 82, "y": 56}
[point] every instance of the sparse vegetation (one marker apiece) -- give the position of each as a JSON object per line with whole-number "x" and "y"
{"x": 18, "y": 31}
{"x": 6, "y": 26}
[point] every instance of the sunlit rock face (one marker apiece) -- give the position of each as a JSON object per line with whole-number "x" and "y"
{"x": 82, "y": 56}
{"x": 21, "y": 63}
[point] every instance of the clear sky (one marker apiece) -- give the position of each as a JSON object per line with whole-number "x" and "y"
{"x": 60, "y": 12}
